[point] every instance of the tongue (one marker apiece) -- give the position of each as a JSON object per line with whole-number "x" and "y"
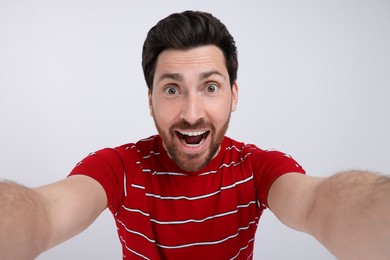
{"x": 193, "y": 139}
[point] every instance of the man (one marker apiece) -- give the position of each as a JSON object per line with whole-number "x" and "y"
{"x": 190, "y": 192}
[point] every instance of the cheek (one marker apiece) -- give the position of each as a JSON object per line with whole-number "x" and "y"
{"x": 223, "y": 118}
{"x": 164, "y": 113}
{"x": 221, "y": 112}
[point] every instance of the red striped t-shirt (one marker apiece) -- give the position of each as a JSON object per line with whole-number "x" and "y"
{"x": 162, "y": 212}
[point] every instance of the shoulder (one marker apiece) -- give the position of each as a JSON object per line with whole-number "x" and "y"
{"x": 259, "y": 155}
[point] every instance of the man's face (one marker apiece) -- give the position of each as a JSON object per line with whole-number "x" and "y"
{"x": 191, "y": 104}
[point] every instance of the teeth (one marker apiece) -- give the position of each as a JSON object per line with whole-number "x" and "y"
{"x": 196, "y": 133}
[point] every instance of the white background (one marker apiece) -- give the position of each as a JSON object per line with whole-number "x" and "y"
{"x": 314, "y": 81}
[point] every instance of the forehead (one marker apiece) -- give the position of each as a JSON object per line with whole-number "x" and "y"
{"x": 207, "y": 57}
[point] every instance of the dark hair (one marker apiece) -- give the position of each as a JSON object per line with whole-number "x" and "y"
{"x": 187, "y": 30}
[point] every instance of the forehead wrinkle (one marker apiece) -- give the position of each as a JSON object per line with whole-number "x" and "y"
{"x": 170, "y": 59}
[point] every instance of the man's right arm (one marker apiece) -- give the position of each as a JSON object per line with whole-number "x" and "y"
{"x": 34, "y": 220}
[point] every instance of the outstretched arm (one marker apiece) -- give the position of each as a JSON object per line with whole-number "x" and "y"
{"x": 34, "y": 220}
{"x": 349, "y": 213}
{"x": 23, "y": 222}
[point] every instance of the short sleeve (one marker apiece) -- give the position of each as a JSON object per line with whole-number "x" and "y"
{"x": 267, "y": 167}
{"x": 106, "y": 167}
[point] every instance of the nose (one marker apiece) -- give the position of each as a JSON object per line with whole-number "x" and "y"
{"x": 193, "y": 108}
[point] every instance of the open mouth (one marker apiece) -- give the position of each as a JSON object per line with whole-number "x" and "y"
{"x": 192, "y": 138}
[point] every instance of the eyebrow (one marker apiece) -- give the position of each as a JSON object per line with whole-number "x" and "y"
{"x": 174, "y": 76}
{"x": 179, "y": 77}
{"x": 207, "y": 74}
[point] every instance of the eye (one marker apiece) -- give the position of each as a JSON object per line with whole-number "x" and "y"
{"x": 212, "y": 88}
{"x": 171, "y": 90}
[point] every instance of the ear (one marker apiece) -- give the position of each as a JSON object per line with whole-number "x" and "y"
{"x": 150, "y": 102}
{"x": 234, "y": 95}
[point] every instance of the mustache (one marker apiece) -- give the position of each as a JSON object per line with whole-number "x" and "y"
{"x": 185, "y": 125}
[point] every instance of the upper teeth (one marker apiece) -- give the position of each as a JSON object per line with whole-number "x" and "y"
{"x": 193, "y": 133}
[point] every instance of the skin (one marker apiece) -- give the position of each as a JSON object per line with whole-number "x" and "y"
{"x": 192, "y": 96}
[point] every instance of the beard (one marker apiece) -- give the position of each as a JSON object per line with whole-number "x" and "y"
{"x": 192, "y": 162}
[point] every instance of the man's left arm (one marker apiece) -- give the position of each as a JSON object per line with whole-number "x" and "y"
{"x": 349, "y": 212}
